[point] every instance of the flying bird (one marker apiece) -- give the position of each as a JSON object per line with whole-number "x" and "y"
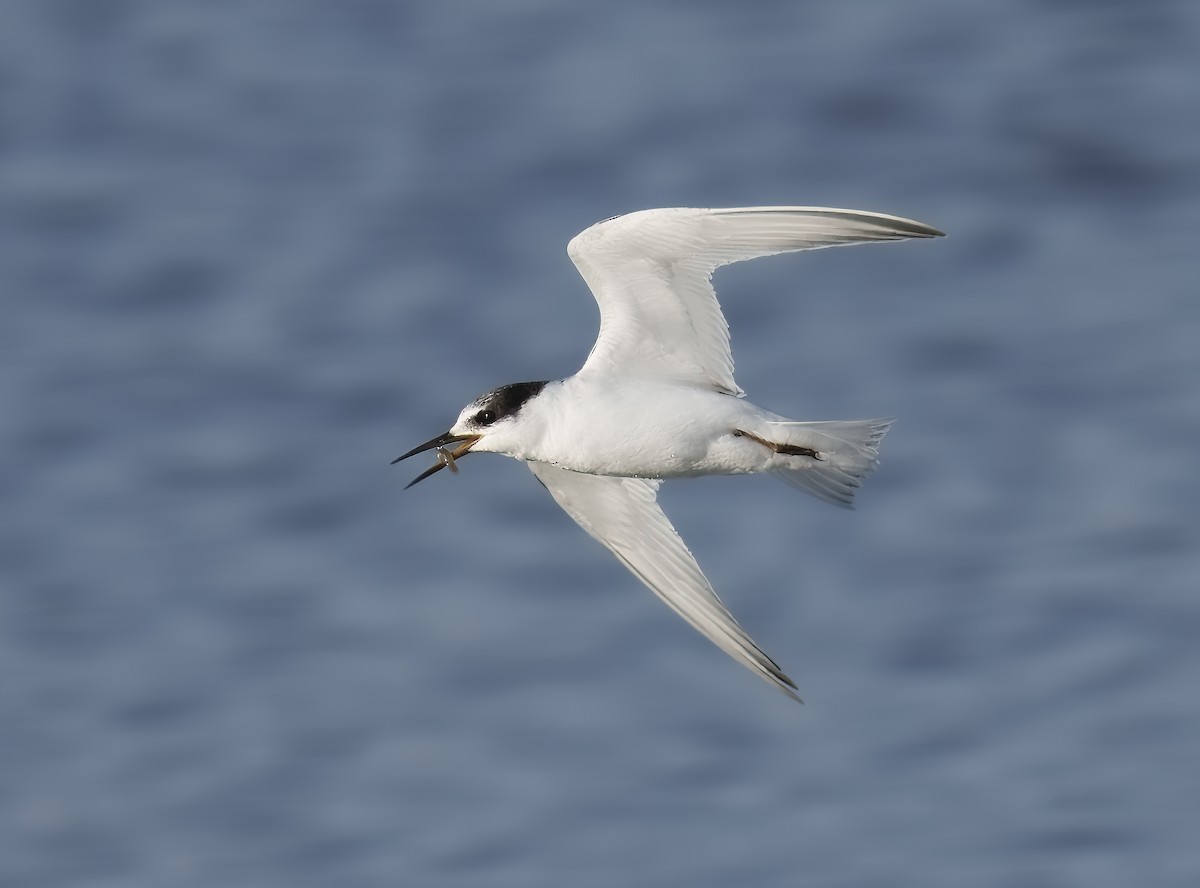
{"x": 656, "y": 398}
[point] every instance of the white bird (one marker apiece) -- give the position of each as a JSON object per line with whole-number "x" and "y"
{"x": 656, "y": 398}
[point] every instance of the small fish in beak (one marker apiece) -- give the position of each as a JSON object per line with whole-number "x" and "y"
{"x": 445, "y": 457}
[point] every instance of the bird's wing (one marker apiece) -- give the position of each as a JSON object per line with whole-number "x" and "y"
{"x": 623, "y": 514}
{"x": 650, "y": 273}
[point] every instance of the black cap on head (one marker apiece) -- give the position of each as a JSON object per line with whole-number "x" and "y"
{"x": 505, "y": 401}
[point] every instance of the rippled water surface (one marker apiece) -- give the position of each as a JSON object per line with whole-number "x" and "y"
{"x": 250, "y": 252}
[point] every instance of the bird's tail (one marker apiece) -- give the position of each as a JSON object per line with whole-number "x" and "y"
{"x": 845, "y": 452}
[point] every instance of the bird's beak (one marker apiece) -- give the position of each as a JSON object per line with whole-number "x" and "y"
{"x": 444, "y": 457}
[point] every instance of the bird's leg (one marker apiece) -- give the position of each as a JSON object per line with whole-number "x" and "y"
{"x": 785, "y": 449}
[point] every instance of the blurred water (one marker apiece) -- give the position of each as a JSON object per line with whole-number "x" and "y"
{"x": 249, "y": 252}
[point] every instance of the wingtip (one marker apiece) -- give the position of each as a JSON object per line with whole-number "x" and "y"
{"x": 781, "y": 680}
{"x": 911, "y": 227}
{"x": 791, "y": 691}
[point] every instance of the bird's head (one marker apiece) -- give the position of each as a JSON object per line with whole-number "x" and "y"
{"x": 489, "y": 423}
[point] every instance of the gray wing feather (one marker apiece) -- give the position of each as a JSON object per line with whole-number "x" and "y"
{"x": 623, "y": 514}
{"x": 650, "y": 274}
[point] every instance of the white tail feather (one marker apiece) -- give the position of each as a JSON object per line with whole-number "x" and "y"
{"x": 848, "y": 451}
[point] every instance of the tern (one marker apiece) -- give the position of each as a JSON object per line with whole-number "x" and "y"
{"x": 656, "y": 398}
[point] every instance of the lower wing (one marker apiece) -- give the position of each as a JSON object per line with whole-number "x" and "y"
{"x": 624, "y": 515}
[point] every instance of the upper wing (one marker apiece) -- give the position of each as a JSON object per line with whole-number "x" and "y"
{"x": 622, "y": 513}
{"x": 650, "y": 273}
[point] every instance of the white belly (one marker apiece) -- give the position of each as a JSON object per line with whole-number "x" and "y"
{"x": 651, "y": 429}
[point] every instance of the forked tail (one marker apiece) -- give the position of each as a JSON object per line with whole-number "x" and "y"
{"x": 846, "y": 452}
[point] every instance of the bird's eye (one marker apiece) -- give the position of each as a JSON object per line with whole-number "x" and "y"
{"x": 485, "y": 417}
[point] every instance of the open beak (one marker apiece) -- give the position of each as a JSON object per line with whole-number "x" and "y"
{"x": 444, "y": 457}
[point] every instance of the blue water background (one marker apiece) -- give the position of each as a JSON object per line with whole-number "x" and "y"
{"x": 251, "y": 251}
